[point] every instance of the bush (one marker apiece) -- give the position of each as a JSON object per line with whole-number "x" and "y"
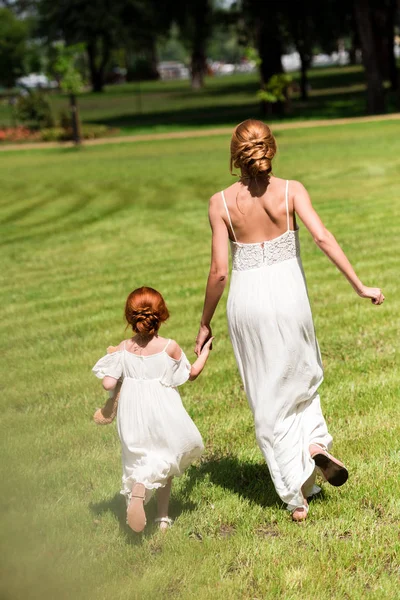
{"x": 65, "y": 119}
{"x": 34, "y": 110}
{"x": 91, "y": 132}
{"x": 18, "y": 134}
{"x": 53, "y": 134}
{"x": 88, "y": 132}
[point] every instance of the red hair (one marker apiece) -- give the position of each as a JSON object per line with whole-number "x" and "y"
{"x": 145, "y": 310}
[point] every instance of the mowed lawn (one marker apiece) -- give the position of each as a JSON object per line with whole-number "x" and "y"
{"x": 79, "y": 231}
{"x": 162, "y": 106}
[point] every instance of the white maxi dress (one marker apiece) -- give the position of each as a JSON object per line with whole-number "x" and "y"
{"x": 158, "y": 438}
{"x": 273, "y": 338}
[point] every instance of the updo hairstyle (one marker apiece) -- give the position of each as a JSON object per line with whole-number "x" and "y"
{"x": 252, "y": 149}
{"x": 145, "y": 310}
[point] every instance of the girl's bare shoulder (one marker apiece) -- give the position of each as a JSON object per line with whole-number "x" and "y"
{"x": 174, "y": 350}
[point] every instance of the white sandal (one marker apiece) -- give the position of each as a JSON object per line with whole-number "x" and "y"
{"x": 165, "y": 520}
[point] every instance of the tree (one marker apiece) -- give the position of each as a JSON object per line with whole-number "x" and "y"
{"x": 13, "y": 38}
{"x": 146, "y": 22}
{"x": 71, "y": 82}
{"x": 97, "y": 25}
{"x": 263, "y": 21}
{"x": 195, "y": 20}
{"x": 370, "y": 54}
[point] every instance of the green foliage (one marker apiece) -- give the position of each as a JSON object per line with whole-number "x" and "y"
{"x": 275, "y": 89}
{"x": 88, "y": 132}
{"x": 34, "y": 110}
{"x": 253, "y": 55}
{"x": 53, "y": 134}
{"x": 13, "y": 39}
{"x": 64, "y": 119}
{"x": 65, "y": 67}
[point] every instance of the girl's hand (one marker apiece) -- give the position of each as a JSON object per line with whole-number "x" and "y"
{"x": 205, "y": 351}
{"x": 203, "y": 336}
{"x": 375, "y": 294}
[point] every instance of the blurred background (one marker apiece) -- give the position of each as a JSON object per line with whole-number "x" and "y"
{"x": 78, "y": 69}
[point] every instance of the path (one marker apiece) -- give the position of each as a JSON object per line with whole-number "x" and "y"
{"x": 196, "y": 133}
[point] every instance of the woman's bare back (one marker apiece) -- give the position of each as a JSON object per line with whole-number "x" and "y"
{"x": 258, "y": 211}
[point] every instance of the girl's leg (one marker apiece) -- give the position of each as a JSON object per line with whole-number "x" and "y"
{"x": 136, "y": 517}
{"x": 163, "y": 495}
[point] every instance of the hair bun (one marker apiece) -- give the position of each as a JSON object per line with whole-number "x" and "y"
{"x": 252, "y": 148}
{"x": 145, "y": 310}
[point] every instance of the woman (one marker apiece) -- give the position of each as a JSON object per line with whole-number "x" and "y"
{"x": 269, "y": 315}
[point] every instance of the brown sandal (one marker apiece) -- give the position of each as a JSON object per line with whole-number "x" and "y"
{"x": 332, "y": 469}
{"x": 135, "y": 515}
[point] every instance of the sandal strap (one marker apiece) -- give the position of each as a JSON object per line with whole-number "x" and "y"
{"x": 304, "y": 507}
{"x": 164, "y": 520}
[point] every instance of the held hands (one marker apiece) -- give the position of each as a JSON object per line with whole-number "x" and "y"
{"x": 375, "y": 294}
{"x": 203, "y": 336}
{"x": 205, "y": 351}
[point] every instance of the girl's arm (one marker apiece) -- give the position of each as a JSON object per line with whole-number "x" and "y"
{"x": 200, "y": 362}
{"x": 218, "y": 274}
{"x": 328, "y": 244}
{"x": 110, "y": 383}
{"x": 175, "y": 352}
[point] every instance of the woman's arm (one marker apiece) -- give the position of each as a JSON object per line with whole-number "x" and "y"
{"x": 328, "y": 244}
{"x": 218, "y": 275}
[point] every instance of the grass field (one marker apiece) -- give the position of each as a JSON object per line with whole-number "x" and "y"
{"x": 170, "y": 106}
{"x": 79, "y": 230}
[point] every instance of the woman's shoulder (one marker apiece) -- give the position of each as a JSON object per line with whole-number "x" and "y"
{"x": 218, "y": 195}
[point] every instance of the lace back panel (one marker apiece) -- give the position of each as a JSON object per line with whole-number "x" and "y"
{"x": 254, "y": 256}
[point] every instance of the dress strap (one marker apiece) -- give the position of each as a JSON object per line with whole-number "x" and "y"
{"x": 123, "y": 358}
{"x": 287, "y": 204}
{"x": 166, "y": 346}
{"x": 229, "y": 216}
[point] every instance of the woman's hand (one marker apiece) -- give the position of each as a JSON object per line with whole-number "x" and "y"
{"x": 375, "y": 294}
{"x": 205, "y": 351}
{"x": 203, "y": 336}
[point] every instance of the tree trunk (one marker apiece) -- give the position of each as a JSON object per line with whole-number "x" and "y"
{"x": 375, "y": 90}
{"x": 97, "y": 62}
{"x": 393, "y": 72}
{"x": 270, "y": 52}
{"x": 153, "y": 59}
{"x": 305, "y": 65}
{"x": 201, "y": 18}
{"x": 76, "y": 126}
{"x": 198, "y": 68}
{"x": 355, "y": 45}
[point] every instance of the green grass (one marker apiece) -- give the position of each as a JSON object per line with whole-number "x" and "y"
{"x": 79, "y": 230}
{"x": 171, "y": 106}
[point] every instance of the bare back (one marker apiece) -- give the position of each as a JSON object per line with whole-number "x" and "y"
{"x": 258, "y": 215}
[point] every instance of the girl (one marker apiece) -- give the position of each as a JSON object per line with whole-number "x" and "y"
{"x": 269, "y": 315}
{"x": 158, "y": 438}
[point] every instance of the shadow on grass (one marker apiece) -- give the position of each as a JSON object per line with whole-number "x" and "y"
{"x": 247, "y": 480}
{"x": 117, "y": 506}
{"x": 334, "y": 105}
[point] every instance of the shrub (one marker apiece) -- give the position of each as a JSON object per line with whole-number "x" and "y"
{"x": 34, "y": 110}
{"x": 17, "y": 134}
{"x": 90, "y": 132}
{"x": 65, "y": 119}
{"x": 53, "y": 134}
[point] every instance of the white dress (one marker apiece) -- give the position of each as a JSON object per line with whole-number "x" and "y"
{"x": 272, "y": 333}
{"x": 158, "y": 438}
